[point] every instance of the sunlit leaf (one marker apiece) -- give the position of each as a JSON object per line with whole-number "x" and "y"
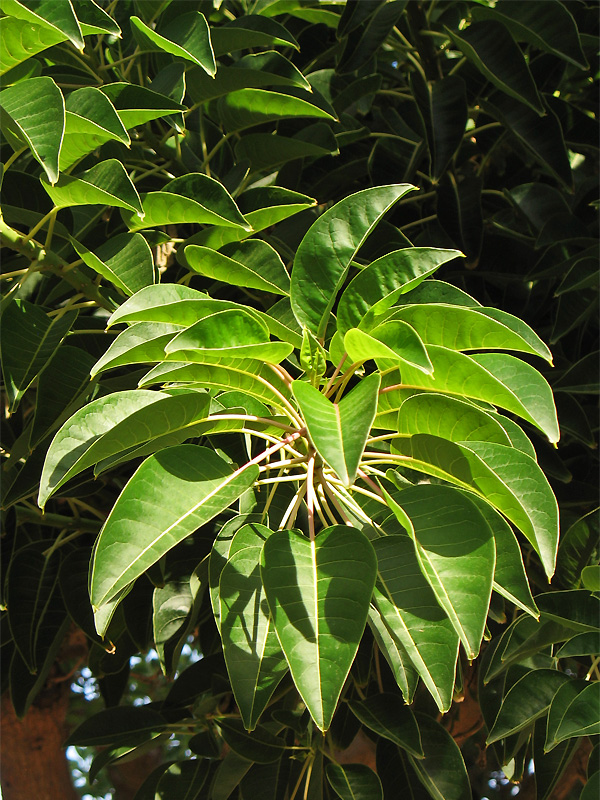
{"x": 125, "y": 260}
{"x": 323, "y": 258}
{"x": 186, "y": 37}
{"x": 191, "y": 485}
{"x": 253, "y": 264}
{"x": 105, "y": 184}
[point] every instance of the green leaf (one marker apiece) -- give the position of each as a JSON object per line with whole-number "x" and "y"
{"x": 125, "y": 260}
{"x": 55, "y": 16}
{"x": 219, "y": 555}
{"x": 92, "y": 19}
{"x": 456, "y": 552}
{"x": 313, "y": 358}
{"x": 137, "y": 105}
{"x": 55, "y": 398}
{"x": 581, "y": 715}
{"x": 265, "y": 151}
{"x": 491, "y": 48}
{"x": 247, "y": 107}
{"x": 591, "y": 788}
{"x": 108, "y": 425}
{"x": 590, "y": 577}
{"x": 448, "y": 418}
{"x": 550, "y": 28}
{"x": 91, "y": 120}
{"x": 442, "y": 771}
{"x": 252, "y": 71}
{"x": 576, "y": 549}
{"x": 378, "y": 286}
{"x": 253, "y": 264}
{"x": 253, "y": 656}
{"x": 194, "y": 198}
{"x": 105, "y": 184}
{"x": 528, "y": 699}
{"x": 364, "y": 41}
{"x": 250, "y": 30}
{"x": 395, "y": 341}
{"x": 31, "y": 581}
{"x": 409, "y": 607}
{"x": 354, "y": 782}
{"x": 339, "y": 431}
{"x": 388, "y": 716}
{"x": 172, "y": 611}
{"x": 559, "y": 709}
{"x": 262, "y": 207}
{"x": 395, "y": 654}
{"x": 261, "y": 747}
{"x": 577, "y": 608}
{"x": 232, "y": 333}
{"x": 29, "y": 340}
{"x": 510, "y": 576}
{"x": 323, "y": 258}
{"x": 36, "y": 108}
{"x": 142, "y": 343}
{"x": 319, "y": 605}
{"x": 190, "y": 486}
{"x": 582, "y": 644}
{"x": 102, "y": 728}
{"x": 495, "y": 378}
{"x": 443, "y": 107}
{"x": 185, "y": 37}
{"x": 460, "y": 328}
{"x": 506, "y": 478}
{"x": 20, "y": 39}
{"x": 248, "y": 375}
{"x": 542, "y": 137}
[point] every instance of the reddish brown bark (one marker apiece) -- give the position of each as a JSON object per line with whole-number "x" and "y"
{"x": 33, "y": 757}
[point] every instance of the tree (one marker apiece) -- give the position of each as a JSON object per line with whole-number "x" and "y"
{"x": 318, "y": 435}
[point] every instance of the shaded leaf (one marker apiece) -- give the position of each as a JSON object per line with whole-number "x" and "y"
{"x": 319, "y": 605}
{"x": 528, "y": 699}
{"x": 354, "y": 781}
{"x": 442, "y": 771}
{"x": 125, "y": 260}
{"x": 250, "y": 30}
{"x": 253, "y": 656}
{"x": 30, "y": 338}
{"x": 137, "y": 105}
{"x": 104, "y": 727}
{"x": 388, "y": 716}
{"x": 496, "y": 55}
{"x": 395, "y": 654}
{"x": 456, "y": 552}
{"x": 247, "y": 107}
{"x": 260, "y": 746}
{"x": 408, "y": 605}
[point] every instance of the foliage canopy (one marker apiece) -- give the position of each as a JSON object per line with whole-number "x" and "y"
{"x": 279, "y": 277}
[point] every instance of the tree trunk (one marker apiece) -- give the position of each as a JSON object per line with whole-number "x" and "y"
{"x": 33, "y": 757}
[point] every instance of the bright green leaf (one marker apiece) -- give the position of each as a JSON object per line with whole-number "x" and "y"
{"x": 378, "y": 286}
{"x": 247, "y": 107}
{"x": 105, "y": 184}
{"x": 185, "y": 37}
{"x": 55, "y": 16}
{"x": 253, "y": 264}
{"x": 395, "y": 341}
{"x": 323, "y": 258}
{"x": 339, "y": 431}
{"x": 20, "y": 39}
{"x": 190, "y": 486}
{"x": 37, "y": 110}
{"x": 137, "y": 105}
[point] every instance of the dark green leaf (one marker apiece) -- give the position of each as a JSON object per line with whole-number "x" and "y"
{"x": 442, "y": 771}
{"x": 388, "y": 716}
{"x": 354, "y": 782}
{"x": 319, "y": 605}
{"x": 260, "y": 746}
{"x": 125, "y": 260}
{"x": 107, "y": 725}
